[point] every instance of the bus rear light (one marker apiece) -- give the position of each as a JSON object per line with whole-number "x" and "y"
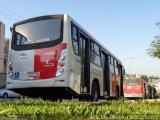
{"x": 62, "y": 58}
{"x": 10, "y": 74}
{"x": 61, "y": 70}
{"x": 10, "y": 63}
{"x": 10, "y": 70}
{"x": 61, "y": 63}
{"x": 10, "y": 66}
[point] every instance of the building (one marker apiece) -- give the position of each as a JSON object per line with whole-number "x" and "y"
{"x": 2, "y": 38}
{"x": 4, "y": 43}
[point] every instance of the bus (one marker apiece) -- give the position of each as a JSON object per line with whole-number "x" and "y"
{"x": 134, "y": 88}
{"x": 53, "y": 57}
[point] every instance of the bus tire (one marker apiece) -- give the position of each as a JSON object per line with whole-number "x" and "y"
{"x": 95, "y": 92}
{"x": 5, "y": 95}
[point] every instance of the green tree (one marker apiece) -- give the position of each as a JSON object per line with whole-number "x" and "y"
{"x": 154, "y": 49}
{"x": 144, "y": 77}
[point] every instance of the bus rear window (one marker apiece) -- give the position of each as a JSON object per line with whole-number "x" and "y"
{"x": 37, "y": 32}
{"x": 132, "y": 82}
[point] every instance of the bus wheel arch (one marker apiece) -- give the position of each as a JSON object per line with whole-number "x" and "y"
{"x": 95, "y": 91}
{"x": 5, "y": 95}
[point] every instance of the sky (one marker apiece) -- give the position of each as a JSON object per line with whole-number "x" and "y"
{"x": 125, "y": 27}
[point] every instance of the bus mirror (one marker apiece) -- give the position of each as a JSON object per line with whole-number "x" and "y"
{"x": 11, "y": 29}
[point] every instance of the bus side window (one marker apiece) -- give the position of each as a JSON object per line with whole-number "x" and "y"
{"x": 111, "y": 65}
{"x": 123, "y": 71}
{"x": 74, "y": 33}
{"x": 18, "y": 39}
{"x": 109, "y": 59}
{"x": 95, "y": 54}
{"x": 23, "y": 41}
{"x": 116, "y": 66}
{"x": 91, "y": 47}
{"x": 96, "y": 49}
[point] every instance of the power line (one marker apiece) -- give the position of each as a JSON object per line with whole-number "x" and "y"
{"x": 5, "y": 14}
{"x": 131, "y": 58}
{"x": 12, "y": 12}
{"x": 9, "y": 14}
{"x": 5, "y": 11}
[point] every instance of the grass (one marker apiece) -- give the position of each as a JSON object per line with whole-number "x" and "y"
{"x": 39, "y": 109}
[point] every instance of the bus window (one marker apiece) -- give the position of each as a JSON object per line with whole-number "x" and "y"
{"x": 20, "y": 39}
{"x": 112, "y": 60}
{"x": 74, "y": 33}
{"x": 96, "y": 49}
{"x": 95, "y": 54}
{"x": 116, "y": 66}
{"x": 109, "y": 59}
{"x": 38, "y": 31}
{"x": 116, "y": 71}
{"x": 91, "y": 47}
{"x": 75, "y": 47}
{"x": 133, "y": 81}
{"x": 111, "y": 68}
{"x": 115, "y": 63}
{"x": 123, "y": 71}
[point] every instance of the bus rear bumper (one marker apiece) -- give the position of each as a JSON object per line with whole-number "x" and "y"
{"x": 61, "y": 81}
{"x": 41, "y": 88}
{"x": 133, "y": 95}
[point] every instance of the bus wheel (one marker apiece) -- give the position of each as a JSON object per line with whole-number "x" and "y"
{"x": 95, "y": 92}
{"x": 5, "y": 95}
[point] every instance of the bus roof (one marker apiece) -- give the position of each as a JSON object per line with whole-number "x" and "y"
{"x": 89, "y": 35}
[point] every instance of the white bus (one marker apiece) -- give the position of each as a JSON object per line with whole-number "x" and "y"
{"x": 54, "y": 57}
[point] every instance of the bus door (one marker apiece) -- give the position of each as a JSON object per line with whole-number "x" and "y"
{"x": 121, "y": 73}
{"x": 106, "y": 81}
{"x": 122, "y": 80}
{"x": 85, "y": 64}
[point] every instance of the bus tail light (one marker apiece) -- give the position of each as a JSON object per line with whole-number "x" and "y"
{"x": 10, "y": 70}
{"x": 61, "y": 63}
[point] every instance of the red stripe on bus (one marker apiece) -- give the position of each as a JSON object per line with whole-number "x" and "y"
{"x": 46, "y": 61}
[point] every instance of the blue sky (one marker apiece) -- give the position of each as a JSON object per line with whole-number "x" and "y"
{"x": 125, "y": 27}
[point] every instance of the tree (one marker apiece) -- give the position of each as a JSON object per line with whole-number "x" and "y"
{"x": 154, "y": 49}
{"x": 144, "y": 77}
